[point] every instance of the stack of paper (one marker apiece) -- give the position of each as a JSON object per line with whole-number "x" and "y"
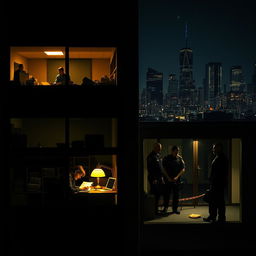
{"x": 86, "y": 184}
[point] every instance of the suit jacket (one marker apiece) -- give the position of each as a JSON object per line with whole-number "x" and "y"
{"x": 219, "y": 172}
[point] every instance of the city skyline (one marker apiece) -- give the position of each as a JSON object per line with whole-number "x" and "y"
{"x": 217, "y": 32}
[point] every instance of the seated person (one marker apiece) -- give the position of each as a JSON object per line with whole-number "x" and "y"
{"x": 75, "y": 174}
{"x": 62, "y": 78}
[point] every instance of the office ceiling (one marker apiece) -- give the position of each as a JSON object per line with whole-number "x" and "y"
{"x": 74, "y": 52}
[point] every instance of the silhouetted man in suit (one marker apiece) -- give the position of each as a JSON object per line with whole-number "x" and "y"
{"x": 155, "y": 174}
{"x": 218, "y": 183}
{"x": 17, "y": 74}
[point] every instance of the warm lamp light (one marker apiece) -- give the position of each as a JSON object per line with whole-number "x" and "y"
{"x": 98, "y": 173}
{"x": 54, "y": 53}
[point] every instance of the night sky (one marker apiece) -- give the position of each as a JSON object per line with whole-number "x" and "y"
{"x": 218, "y": 31}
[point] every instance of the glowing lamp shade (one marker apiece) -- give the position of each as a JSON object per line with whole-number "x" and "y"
{"x": 54, "y": 53}
{"x": 98, "y": 173}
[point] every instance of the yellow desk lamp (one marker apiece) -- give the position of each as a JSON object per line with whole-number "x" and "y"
{"x": 98, "y": 173}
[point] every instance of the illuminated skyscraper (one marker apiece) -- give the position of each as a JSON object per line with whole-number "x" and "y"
{"x": 154, "y": 86}
{"x": 236, "y": 78}
{"x": 172, "y": 93}
{"x": 187, "y": 87}
{"x": 213, "y": 82}
{"x": 173, "y": 86}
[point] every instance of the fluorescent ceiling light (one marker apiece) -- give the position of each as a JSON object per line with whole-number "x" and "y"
{"x": 55, "y": 53}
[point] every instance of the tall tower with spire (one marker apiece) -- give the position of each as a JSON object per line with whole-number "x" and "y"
{"x": 186, "y": 82}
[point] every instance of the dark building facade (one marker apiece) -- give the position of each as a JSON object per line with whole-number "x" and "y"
{"x": 45, "y": 221}
{"x": 186, "y": 82}
{"x": 213, "y": 83}
{"x": 173, "y": 86}
{"x": 173, "y": 90}
{"x": 254, "y": 74}
{"x": 155, "y": 86}
{"x": 236, "y": 79}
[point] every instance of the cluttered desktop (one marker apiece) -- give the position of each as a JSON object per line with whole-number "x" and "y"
{"x": 88, "y": 187}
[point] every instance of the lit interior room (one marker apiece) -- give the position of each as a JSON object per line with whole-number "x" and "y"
{"x": 100, "y": 178}
{"x": 198, "y": 156}
{"x": 45, "y": 150}
{"x": 87, "y": 66}
{"x": 100, "y": 161}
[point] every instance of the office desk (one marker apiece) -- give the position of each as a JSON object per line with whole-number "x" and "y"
{"x": 98, "y": 197}
{"x": 96, "y": 191}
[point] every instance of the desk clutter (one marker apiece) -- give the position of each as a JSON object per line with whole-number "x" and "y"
{"x": 88, "y": 186}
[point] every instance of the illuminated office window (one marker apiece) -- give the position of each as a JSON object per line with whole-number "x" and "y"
{"x": 82, "y": 66}
{"x": 92, "y": 66}
{"x": 198, "y": 157}
{"x": 93, "y": 144}
{"x": 106, "y": 162}
{"x": 40, "y": 65}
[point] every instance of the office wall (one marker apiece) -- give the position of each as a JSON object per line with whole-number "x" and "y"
{"x": 38, "y": 69}
{"x": 236, "y": 170}
{"x": 18, "y": 59}
{"x": 17, "y": 123}
{"x": 80, "y": 127}
{"x": 100, "y": 68}
{"x": 47, "y": 69}
{"x": 44, "y": 131}
{"x": 78, "y": 69}
{"x": 49, "y": 131}
{"x": 52, "y": 68}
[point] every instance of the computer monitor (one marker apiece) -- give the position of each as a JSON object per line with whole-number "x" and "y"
{"x": 110, "y": 183}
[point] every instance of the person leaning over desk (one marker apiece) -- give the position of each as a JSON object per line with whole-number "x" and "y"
{"x": 75, "y": 174}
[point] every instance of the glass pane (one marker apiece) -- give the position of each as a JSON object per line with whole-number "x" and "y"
{"x": 92, "y": 66}
{"x": 93, "y": 133}
{"x": 186, "y": 152}
{"x": 198, "y": 157}
{"x": 37, "y": 132}
{"x": 205, "y": 158}
{"x": 36, "y": 186}
{"x": 147, "y": 148}
{"x": 35, "y": 65}
{"x": 108, "y": 163}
